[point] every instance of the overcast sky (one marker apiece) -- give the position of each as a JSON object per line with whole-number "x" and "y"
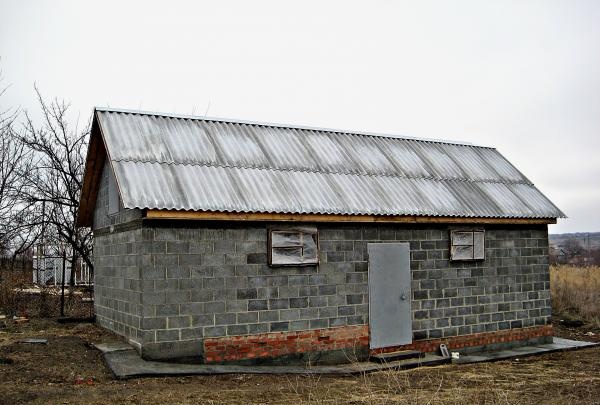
{"x": 522, "y": 76}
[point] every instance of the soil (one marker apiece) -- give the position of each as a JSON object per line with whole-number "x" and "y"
{"x": 69, "y": 371}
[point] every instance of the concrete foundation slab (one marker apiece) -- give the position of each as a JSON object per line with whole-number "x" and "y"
{"x": 128, "y": 364}
{"x": 558, "y": 345}
{"x": 112, "y": 347}
{"x": 125, "y": 362}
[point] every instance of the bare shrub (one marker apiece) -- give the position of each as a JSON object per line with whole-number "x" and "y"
{"x": 576, "y": 292}
{"x": 12, "y": 301}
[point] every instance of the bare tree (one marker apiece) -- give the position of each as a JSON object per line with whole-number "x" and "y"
{"x": 55, "y": 180}
{"x": 17, "y": 217}
{"x": 573, "y": 248}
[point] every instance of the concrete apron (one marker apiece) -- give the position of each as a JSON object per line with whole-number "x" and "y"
{"x": 124, "y": 362}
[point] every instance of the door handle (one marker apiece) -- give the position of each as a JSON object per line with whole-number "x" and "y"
{"x": 403, "y": 297}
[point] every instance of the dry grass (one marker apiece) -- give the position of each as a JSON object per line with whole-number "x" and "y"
{"x": 11, "y": 301}
{"x": 576, "y": 292}
{"x": 17, "y": 298}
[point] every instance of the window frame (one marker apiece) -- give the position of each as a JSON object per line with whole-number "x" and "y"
{"x": 472, "y": 231}
{"x": 302, "y": 231}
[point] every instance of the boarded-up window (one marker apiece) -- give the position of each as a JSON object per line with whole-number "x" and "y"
{"x": 293, "y": 246}
{"x": 467, "y": 245}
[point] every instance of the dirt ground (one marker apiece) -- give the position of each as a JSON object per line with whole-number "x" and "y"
{"x": 68, "y": 371}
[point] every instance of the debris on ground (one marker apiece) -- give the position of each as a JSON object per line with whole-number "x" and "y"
{"x": 20, "y": 319}
{"x": 81, "y": 381}
{"x": 35, "y": 341}
{"x": 571, "y": 323}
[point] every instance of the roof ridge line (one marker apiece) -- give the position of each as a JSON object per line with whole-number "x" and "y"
{"x": 278, "y": 169}
{"x": 291, "y": 126}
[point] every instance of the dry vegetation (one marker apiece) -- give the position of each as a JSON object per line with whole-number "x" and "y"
{"x": 576, "y": 293}
{"x": 19, "y": 298}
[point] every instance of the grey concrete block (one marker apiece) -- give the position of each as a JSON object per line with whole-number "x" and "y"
{"x": 247, "y": 317}
{"x": 257, "y": 258}
{"x": 289, "y": 314}
{"x": 214, "y": 307}
{"x": 237, "y": 330}
{"x": 212, "y": 259}
{"x": 213, "y": 283}
{"x": 247, "y": 294}
{"x": 225, "y": 319}
{"x": 167, "y": 309}
{"x": 258, "y": 328}
{"x": 277, "y": 281}
{"x": 279, "y": 303}
{"x": 154, "y": 323}
{"x": 235, "y": 306}
{"x": 178, "y": 322}
{"x": 215, "y": 331}
{"x": 185, "y": 349}
{"x": 201, "y": 295}
{"x": 279, "y": 327}
{"x": 167, "y": 335}
{"x": 177, "y": 247}
{"x": 203, "y": 320}
{"x": 301, "y": 302}
{"x": 258, "y": 305}
{"x": 177, "y": 297}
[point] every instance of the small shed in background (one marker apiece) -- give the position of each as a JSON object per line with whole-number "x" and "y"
{"x": 231, "y": 241}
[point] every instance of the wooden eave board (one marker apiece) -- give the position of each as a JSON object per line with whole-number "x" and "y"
{"x": 409, "y": 219}
{"x": 95, "y": 159}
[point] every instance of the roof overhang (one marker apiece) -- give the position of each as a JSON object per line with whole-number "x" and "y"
{"x": 274, "y": 217}
{"x": 96, "y": 157}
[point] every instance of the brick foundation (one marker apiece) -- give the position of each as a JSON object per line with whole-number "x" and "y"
{"x": 273, "y": 345}
{"x": 476, "y": 339}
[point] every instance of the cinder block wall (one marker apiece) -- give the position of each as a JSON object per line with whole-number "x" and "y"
{"x": 117, "y": 263}
{"x": 117, "y": 281}
{"x": 211, "y": 282}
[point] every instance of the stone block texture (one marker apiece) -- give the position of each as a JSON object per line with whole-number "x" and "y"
{"x": 101, "y": 217}
{"x": 173, "y": 287}
{"x": 117, "y": 282}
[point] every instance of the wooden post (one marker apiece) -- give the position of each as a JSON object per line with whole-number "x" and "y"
{"x": 62, "y": 281}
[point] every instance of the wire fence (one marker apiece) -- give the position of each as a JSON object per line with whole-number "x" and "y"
{"x": 48, "y": 270}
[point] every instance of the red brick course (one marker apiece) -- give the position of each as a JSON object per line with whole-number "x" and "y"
{"x": 271, "y": 345}
{"x": 476, "y": 339}
{"x": 277, "y": 344}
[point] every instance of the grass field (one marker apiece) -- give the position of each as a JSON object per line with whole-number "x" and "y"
{"x": 576, "y": 293}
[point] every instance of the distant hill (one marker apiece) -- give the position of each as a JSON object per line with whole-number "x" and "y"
{"x": 558, "y": 239}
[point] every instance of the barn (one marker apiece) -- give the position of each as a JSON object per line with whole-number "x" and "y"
{"x": 225, "y": 241}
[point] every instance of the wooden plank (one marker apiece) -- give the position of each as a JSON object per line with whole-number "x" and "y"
{"x": 95, "y": 159}
{"x": 410, "y": 219}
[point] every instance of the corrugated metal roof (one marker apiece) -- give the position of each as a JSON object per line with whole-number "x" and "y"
{"x": 202, "y": 164}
